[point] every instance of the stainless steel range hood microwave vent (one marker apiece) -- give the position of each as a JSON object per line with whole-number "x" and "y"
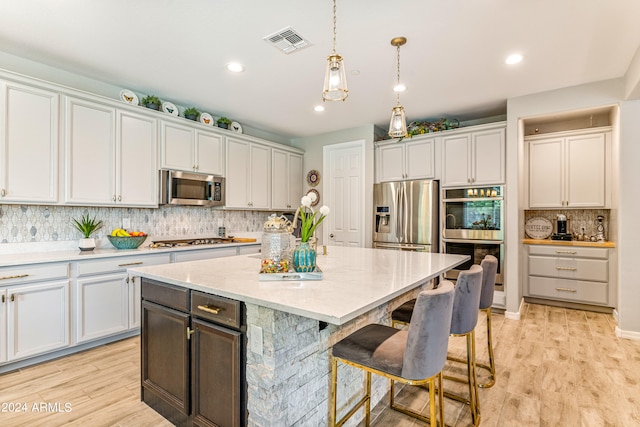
{"x": 190, "y": 188}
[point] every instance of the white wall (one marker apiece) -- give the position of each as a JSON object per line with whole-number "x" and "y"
{"x": 627, "y": 175}
{"x": 313, "y": 147}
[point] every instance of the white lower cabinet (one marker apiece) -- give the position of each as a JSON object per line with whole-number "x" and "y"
{"x": 568, "y": 273}
{"x": 106, "y": 299}
{"x": 34, "y": 317}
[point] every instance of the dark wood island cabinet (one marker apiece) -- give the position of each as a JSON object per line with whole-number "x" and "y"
{"x": 193, "y": 356}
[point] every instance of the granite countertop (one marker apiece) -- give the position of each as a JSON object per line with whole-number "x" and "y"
{"x": 568, "y": 243}
{"x": 38, "y": 253}
{"x": 355, "y": 280}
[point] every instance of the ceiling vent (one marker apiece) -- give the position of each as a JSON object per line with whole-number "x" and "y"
{"x": 287, "y": 40}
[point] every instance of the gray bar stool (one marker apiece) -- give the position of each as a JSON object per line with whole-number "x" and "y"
{"x": 489, "y": 266}
{"x": 415, "y": 357}
{"x": 463, "y": 323}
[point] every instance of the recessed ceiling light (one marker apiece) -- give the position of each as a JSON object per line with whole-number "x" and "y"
{"x": 318, "y": 108}
{"x": 399, "y": 88}
{"x": 235, "y": 67}
{"x": 513, "y": 59}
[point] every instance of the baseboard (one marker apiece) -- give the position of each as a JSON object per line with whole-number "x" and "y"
{"x": 632, "y": 335}
{"x": 514, "y": 315}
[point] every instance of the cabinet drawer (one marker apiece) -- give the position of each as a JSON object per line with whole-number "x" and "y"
{"x": 570, "y": 290}
{"x": 33, "y": 273}
{"x": 217, "y": 309}
{"x": 164, "y": 294}
{"x": 116, "y": 264}
{"x": 570, "y": 268}
{"x": 569, "y": 251}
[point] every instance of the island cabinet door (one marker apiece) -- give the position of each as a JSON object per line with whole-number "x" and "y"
{"x": 216, "y": 376}
{"x": 165, "y": 360}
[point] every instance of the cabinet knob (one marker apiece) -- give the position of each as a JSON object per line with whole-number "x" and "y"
{"x": 3, "y": 192}
{"x": 114, "y": 197}
{"x": 13, "y": 297}
{"x": 119, "y": 198}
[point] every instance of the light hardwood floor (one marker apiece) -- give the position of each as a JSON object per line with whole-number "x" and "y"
{"x": 556, "y": 367}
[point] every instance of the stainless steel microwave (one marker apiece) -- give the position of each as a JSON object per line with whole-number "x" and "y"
{"x": 190, "y": 188}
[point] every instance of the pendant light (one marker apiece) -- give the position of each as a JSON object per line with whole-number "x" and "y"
{"x": 398, "y": 123}
{"x": 335, "y": 78}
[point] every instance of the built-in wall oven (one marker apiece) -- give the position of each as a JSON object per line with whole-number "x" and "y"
{"x": 472, "y": 224}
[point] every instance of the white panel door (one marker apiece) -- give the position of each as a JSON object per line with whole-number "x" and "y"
{"x": 488, "y": 157}
{"x": 237, "y": 178}
{"x": 137, "y": 169}
{"x": 28, "y": 144}
{"x": 455, "y": 165}
{"x": 586, "y": 156}
{"x": 546, "y": 177}
{"x": 420, "y": 159}
{"x": 345, "y": 181}
{"x": 37, "y": 319}
{"x": 209, "y": 153}
{"x": 90, "y": 153}
{"x": 391, "y": 162}
{"x": 260, "y": 180}
{"x": 280, "y": 179}
{"x": 178, "y": 147}
{"x": 101, "y": 306}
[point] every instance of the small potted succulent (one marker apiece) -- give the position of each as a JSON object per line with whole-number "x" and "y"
{"x": 151, "y": 101}
{"x": 223, "y": 122}
{"x": 191, "y": 113}
{"x": 87, "y": 226}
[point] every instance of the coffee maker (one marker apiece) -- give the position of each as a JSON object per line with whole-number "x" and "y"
{"x": 561, "y": 229}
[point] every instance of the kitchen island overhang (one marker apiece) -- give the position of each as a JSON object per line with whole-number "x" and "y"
{"x": 287, "y": 375}
{"x": 355, "y": 280}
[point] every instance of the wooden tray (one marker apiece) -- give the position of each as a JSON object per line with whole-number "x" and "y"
{"x": 291, "y": 275}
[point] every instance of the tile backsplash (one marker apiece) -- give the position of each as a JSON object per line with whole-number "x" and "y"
{"x": 31, "y": 223}
{"x": 577, "y": 218}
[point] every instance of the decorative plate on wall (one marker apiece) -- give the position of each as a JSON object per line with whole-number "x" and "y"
{"x": 313, "y": 177}
{"x": 207, "y": 119}
{"x": 236, "y": 127}
{"x": 129, "y": 97}
{"x": 314, "y": 191}
{"x": 169, "y": 108}
{"x": 538, "y": 228}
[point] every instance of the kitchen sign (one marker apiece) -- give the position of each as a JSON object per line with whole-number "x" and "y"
{"x": 538, "y": 228}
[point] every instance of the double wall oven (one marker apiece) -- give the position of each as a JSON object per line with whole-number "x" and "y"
{"x": 472, "y": 224}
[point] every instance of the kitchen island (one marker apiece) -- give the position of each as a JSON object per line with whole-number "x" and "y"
{"x": 291, "y": 325}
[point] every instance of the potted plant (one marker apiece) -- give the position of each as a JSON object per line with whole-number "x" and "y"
{"x": 87, "y": 226}
{"x": 191, "y": 113}
{"x": 151, "y": 101}
{"x": 223, "y": 123}
{"x": 304, "y": 254}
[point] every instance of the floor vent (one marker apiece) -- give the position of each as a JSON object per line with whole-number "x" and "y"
{"x": 287, "y": 40}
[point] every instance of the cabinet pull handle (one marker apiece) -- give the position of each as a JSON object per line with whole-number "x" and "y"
{"x": 119, "y": 198}
{"x": 567, "y": 252}
{"x": 17, "y": 276}
{"x": 566, "y": 290}
{"x": 3, "y": 299}
{"x": 130, "y": 263}
{"x": 212, "y": 310}
{"x": 13, "y": 297}
{"x": 190, "y": 332}
{"x": 566, "y": 268}
{"x": 3, "y": 192}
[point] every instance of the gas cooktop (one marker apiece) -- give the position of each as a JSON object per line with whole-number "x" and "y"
{"x": 172, "y": 243}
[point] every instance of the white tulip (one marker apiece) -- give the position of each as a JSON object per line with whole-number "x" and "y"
{"x": 324, "y": 210}
{"x": 312, "y": 196}
{"x": 305, "y": 201}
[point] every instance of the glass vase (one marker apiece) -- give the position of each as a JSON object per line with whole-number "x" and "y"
{"x": 304, "y": 257}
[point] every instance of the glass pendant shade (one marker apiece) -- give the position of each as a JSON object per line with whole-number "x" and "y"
{"x": 398, "y": 123}
{"x": 335, "y": 80}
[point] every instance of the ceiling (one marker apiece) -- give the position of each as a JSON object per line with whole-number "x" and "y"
{"x": 453, "y": 62}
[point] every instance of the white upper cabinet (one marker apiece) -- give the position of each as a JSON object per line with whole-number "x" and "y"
{"x": 569, "y": 169}
{"x": 474, "y": 156}
{"x": 408, "y": 159}
{"x": 111, "y": 156}
{"x": 192, "y": 150}
{"x": 248, "y": 177}
{"x": 286, "y": 179}
{"x": 28, "y": 144}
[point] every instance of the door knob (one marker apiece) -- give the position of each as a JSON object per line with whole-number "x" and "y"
{"x": 331, "y": 235}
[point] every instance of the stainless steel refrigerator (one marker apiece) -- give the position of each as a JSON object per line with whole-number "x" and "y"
{"x": 406, "y": 215}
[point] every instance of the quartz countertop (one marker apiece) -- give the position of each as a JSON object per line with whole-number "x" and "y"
{"x": 43, "y": 253}
{"x": 355, "y": 280}
{"x": 568, "y": 243}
